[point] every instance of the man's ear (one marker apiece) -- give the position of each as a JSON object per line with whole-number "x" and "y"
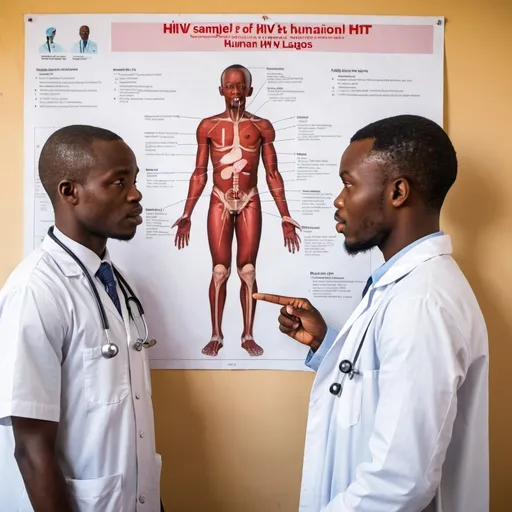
{"x": 400, "y": 190}
{"x": 68, "y": 192}
{"x": 249, "y": 93}
{"x": 221, "y": 91}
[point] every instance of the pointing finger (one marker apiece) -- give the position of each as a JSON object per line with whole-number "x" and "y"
{"x": 275, "y": 299}
{"x": 284, "y": 301}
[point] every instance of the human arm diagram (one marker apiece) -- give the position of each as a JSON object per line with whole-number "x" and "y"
{"x": 276, "y": 185}
{"x": 196, "y": 186}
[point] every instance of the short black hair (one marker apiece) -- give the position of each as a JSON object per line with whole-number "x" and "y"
{"x": 238, "y": 67}
{"x": 68, "y": 155}
{"x": 416, "y": 148}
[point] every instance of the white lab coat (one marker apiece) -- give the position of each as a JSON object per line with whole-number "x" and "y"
{"x": 410, "y": 431}
{"x": 52, "y": 369}
{"x": 90, "y": 47}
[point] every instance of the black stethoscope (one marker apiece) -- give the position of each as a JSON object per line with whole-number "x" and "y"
{"x": 109, "y": 349}
{"x": 348, "y": 368}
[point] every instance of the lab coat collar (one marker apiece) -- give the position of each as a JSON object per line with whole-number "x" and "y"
{"x": 424, "y": 251}
{"x": 68, "y": 266}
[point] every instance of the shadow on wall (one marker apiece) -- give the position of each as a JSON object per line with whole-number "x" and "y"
{"x": 476, "y": 207}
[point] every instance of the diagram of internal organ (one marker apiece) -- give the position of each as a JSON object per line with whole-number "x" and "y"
{"x": 235, "y": 198}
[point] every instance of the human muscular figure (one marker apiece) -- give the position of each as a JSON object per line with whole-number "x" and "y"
{"x": 234, "y": 140}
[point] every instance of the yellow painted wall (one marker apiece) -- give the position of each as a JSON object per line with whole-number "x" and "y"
{"x": 233, "y": 441}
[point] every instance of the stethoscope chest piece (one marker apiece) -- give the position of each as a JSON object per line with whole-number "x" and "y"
{"x": 109, "y": 350}
{"x": 346, "y": 366}
{"x": 335, "y": 389}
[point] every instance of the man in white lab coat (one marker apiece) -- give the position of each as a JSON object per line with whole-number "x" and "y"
{"x": 77, "y": 428}
{"x": 398, "y": 415}
{"x": 85, "y": 45}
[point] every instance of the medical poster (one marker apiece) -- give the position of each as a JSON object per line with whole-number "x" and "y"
{"x": 238, "y": 123}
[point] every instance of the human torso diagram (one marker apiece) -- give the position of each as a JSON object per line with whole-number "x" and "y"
{"x": 235, "y": 153}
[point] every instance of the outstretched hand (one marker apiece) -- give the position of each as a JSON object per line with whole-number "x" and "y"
{"x": 183, "y": 234}
{"x": 298, "y": 319}
{"x": 291, "y": 238}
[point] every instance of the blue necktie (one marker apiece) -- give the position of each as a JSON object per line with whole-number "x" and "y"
{"x": 367, "y": 286}
{"x": 106, "y": 276}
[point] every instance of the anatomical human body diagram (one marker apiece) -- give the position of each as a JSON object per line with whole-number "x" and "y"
{"x": 235, "y": 141}
{"x": 238, "y": 184}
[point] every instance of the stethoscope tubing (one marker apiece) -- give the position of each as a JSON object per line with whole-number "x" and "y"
{"x": 346, "y": 367}
{"x": 109, "y": 349}
{"x": 99, "y": 304}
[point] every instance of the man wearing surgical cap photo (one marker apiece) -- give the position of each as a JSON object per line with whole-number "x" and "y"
{"x": 50, "y": 46}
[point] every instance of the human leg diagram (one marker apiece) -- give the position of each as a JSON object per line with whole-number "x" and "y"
{"x": 248, "y": 235}
{"x": 221, "y": 227}
{"x": 220, "y": 238}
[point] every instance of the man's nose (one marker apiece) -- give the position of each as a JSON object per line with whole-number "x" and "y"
{"x": 135, "y": 195}
{"x": 338, "y": 202}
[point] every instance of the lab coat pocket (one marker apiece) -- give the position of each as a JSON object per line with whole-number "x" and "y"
{"x": 105, "y": 380}
{"x": 349, "y": 407}
{"x": 98, "y": 494}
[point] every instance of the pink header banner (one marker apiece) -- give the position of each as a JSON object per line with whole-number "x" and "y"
{"x": 320, "y": 37}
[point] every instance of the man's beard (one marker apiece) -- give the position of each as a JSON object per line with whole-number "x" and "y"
{"x": 362, "y": 246}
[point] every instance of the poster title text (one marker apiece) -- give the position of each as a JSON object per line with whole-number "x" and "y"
{"x": 223, "y": 29}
